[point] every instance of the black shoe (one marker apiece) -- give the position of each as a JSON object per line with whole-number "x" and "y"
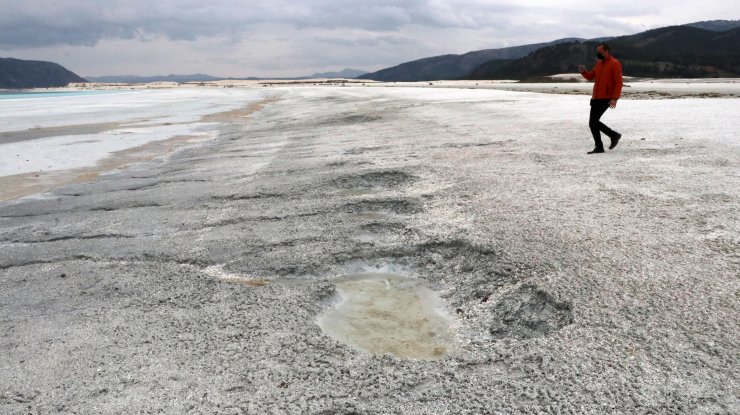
{"x": 615, "y": 141}
{"x": 596, "y": 151}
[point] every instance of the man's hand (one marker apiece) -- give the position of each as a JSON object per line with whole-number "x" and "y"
{"x": 613, "y": 104}
{"x": 581, "y": 68}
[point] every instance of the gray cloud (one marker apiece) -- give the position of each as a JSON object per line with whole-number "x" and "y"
{"x": 82, "y": 22}
{"x": 288, "y": 37}
{"x": 364, "y": 41}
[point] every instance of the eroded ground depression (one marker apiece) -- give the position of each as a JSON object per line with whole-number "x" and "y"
{"x": 372, "y": 251}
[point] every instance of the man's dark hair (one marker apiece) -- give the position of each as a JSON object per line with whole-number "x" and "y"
{"x": 605, "y": 46}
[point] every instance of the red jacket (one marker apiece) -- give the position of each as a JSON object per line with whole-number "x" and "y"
{"x": 608, "y": 75}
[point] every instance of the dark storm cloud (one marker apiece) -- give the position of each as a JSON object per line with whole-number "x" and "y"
{"x": 78, "y": 22}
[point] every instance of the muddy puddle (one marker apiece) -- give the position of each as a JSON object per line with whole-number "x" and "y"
{"x": 385, "y": 313}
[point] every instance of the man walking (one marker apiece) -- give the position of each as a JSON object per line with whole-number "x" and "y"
{"x": 607, "y": 77}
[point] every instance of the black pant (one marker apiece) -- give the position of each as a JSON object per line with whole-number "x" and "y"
{"x": 598, "y": 108}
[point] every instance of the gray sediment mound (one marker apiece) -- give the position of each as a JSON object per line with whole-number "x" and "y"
{"x": 528, "y": 312}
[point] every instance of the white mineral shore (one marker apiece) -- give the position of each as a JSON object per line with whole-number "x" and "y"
{"x": 195, "y": 283}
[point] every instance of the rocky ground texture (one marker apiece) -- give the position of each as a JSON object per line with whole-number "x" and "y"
{"x": 577, "y": 284}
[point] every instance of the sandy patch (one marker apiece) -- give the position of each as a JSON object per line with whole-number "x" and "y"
{"x": 239, "y": 113}
{"x": 44, "y": 132}
{"x": 218, "y": 272}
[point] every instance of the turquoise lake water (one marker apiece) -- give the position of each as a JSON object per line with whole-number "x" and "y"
{"x": 50, "y": 94}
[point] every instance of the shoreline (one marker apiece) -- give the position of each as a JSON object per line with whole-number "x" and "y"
{"x": 13, "y": 186}
{"x": 644, "y": 88}
{"x": 30, "y": 183}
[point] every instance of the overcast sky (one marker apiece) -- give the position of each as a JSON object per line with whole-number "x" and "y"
{"x": 292, "y": 38}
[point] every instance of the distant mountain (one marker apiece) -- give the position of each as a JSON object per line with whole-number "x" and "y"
{"x": 452, "y": 66}
{"x": 516, "y": 62}
{"x": 133, "y": 79}
{"x": 20, "y": 74}
{"x": 344, "y": 73}
{"x": 716, "y": 25}
{"x": 670, "y": 52}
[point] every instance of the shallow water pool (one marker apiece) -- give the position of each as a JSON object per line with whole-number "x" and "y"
{"x": 386, "y": 313}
